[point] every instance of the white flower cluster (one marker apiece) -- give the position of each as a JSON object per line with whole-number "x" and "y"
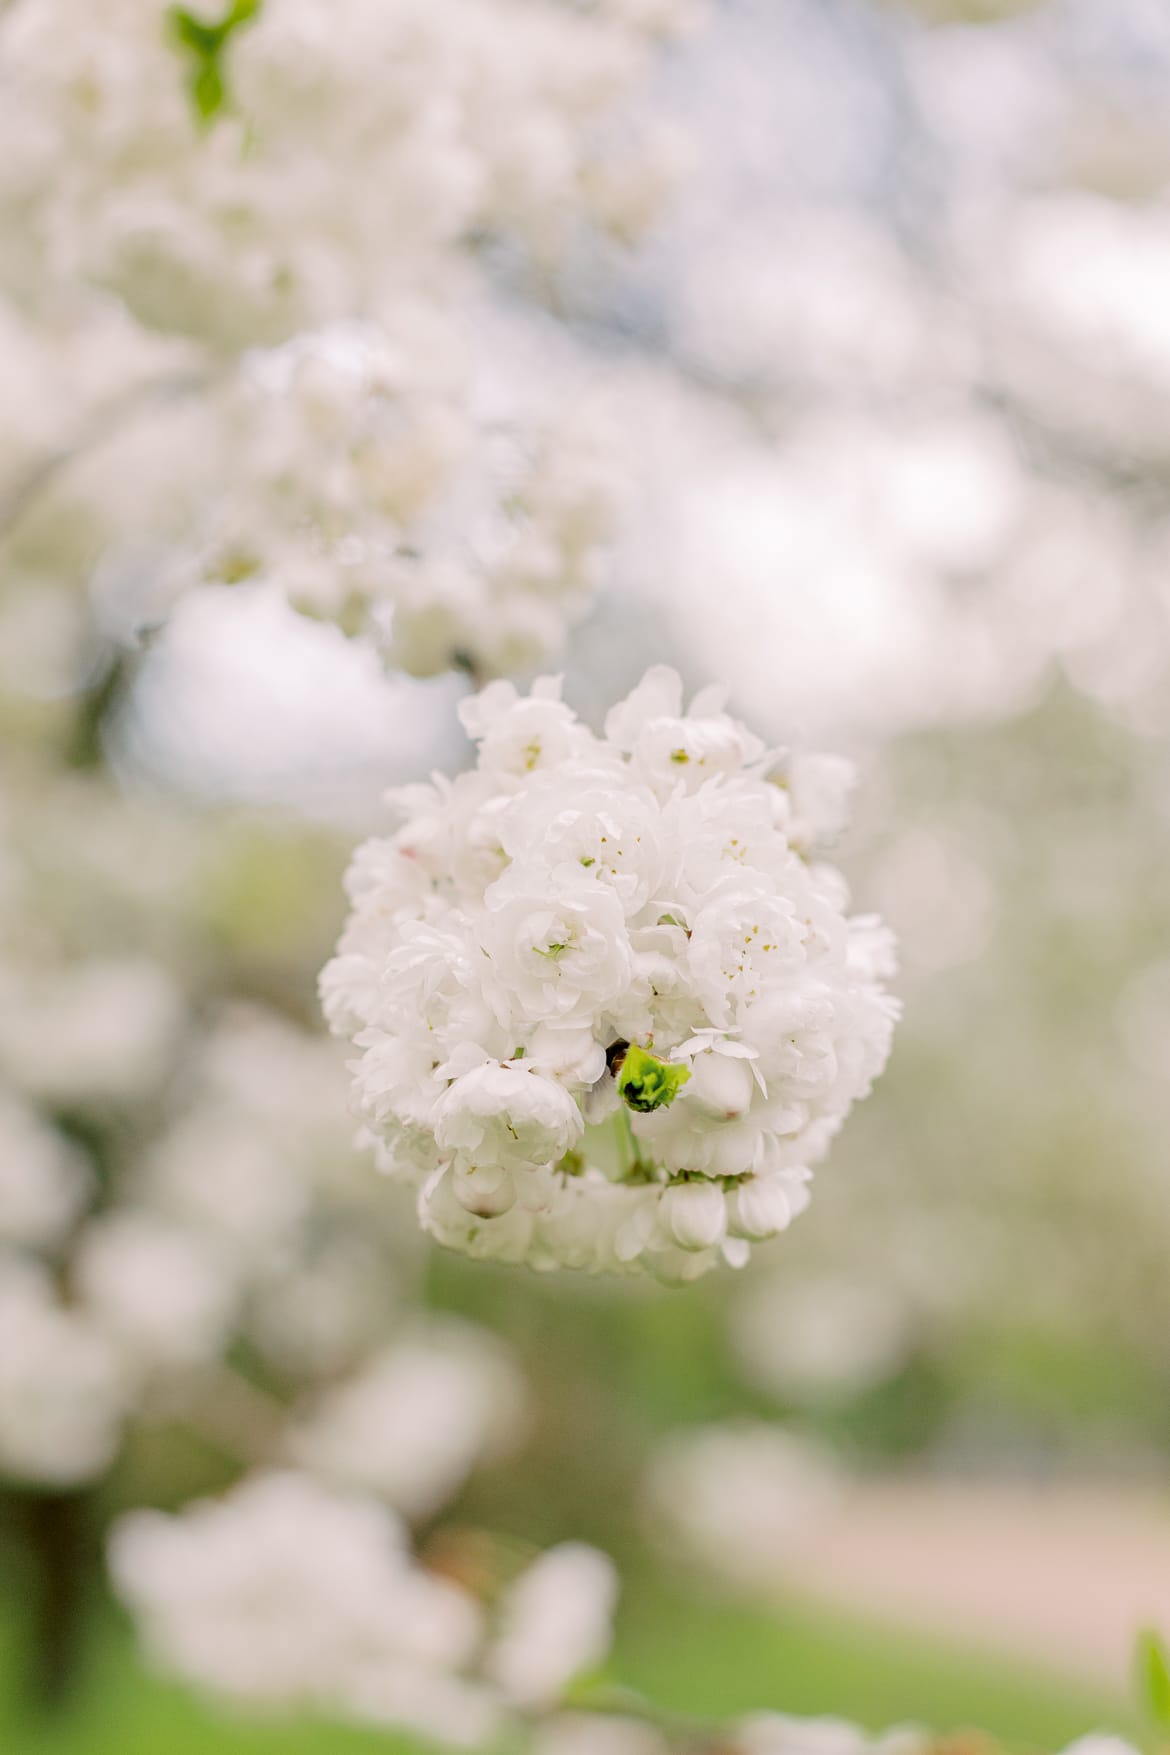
{"x": 176, "y": 1175}
{"x": 369, "y": 478}
{"x": 195, "y": 199}
{"x": 239, "y": 173}
{"x": 290, "y": 1594}
{"x": 607, "y": 1011}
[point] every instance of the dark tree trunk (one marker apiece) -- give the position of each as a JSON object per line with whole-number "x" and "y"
{"x": 57, "y": 1540}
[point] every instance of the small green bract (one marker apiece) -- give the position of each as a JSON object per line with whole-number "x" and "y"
{"x": 646, "y": 1083}
{"x": 205, "y": 44}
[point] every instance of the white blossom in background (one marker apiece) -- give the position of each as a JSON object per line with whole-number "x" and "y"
{"x": 780, "y": 1733}
{"x": 376, "y": 476}
{"x": 171, "y": 1169}
{"x": 291, "y": 1594}
{"x": 429, "y": 478}
{"x": 288, "y": 1594}
{"x": 1099, "y": 1743}
{"x": 330, "y": 1299}
{"x": 250, "y": 1140}
{"x": 255, "y": 1166}
{"x": 245, "y": 251}
{"x": 64, "y": 1389}
{"x": 765, "y": 1733}
{"x": 178, "y": 1186}
{"x": 156, "y": 1288}
{"x": 417, "y": 1418}
{"x": 44, "y": 1181}
{"x": 740, "y": 1500}
{"x": 103, "y": 1030}
{"x": 556, "y": 1623}
{"x": 201, "y": 182}
{"x": 607, "y": 1012}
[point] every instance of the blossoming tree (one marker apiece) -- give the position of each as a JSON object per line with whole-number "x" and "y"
{"x": 276, "y": 297}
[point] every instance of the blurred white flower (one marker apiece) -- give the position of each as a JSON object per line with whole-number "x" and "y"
{"x": 314, "y": 1309}
{"x": 224, "y": 1174}
{"x": 555, "y": 1624}
{"x": 256, "y": 1133}
{"x": 64, "y": 1389}
{"x": 103, "y": 1031}
{"x": 446, "y": 1709}
{"x": 139, "y": 180}
{"x": 778, "y": 1733}
{"x": 372, "y": 474}
{"x": 417, "y": 1418}
{"x": 740, "y": 1500}
{"x": 159, "y": 1290}
{"x": 44, "y": 1181}
{"x": 288, "y": 1594}
{"x": 1099, "y": 1743}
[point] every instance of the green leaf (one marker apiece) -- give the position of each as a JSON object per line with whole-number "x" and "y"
{"x": 204, "y": 45}
{"x": 192, "y": 33}
{"x": 646, "y": 1083}
{"x": 1153, "y": 1671}
{"x": 207, "y": 90}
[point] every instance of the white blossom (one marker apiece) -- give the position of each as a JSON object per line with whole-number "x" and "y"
{"x": 760, "y": 1208}
{"x": 216, "y": 213}
{"x": 414, "y": 1421}
{"x": 366, "y": 476}
{"x": 694, "y": 1213}
{"x": 556, "y": 1623}
{"x": 44, "y": 1182}
{"x": 606, "y": 1009}
{"x": 102, "y": 1031}
{"x": 288, "y": 1594}
{"x": 1099, "y": 1743}
{"x": 158, "y": 1289}
{"x": 779, "y": 1733}
{"x": 506, "y": 1115}
{"x": 64, "y": 1388}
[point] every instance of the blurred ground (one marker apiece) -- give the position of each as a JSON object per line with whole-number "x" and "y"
{"x": 1050, "y": 1573}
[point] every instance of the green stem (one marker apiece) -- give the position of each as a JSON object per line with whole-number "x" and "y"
{"x": 635, "y": 1168}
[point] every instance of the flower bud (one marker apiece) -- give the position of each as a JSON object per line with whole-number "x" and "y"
{"x": 646, "y": 1083}
{"x": 758, "y": 1208}
{"x": 694, "y": 1214}
{"x": 484, "y": 1189}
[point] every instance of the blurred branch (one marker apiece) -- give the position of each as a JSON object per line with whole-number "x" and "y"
{"x": 84, "y": 748}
